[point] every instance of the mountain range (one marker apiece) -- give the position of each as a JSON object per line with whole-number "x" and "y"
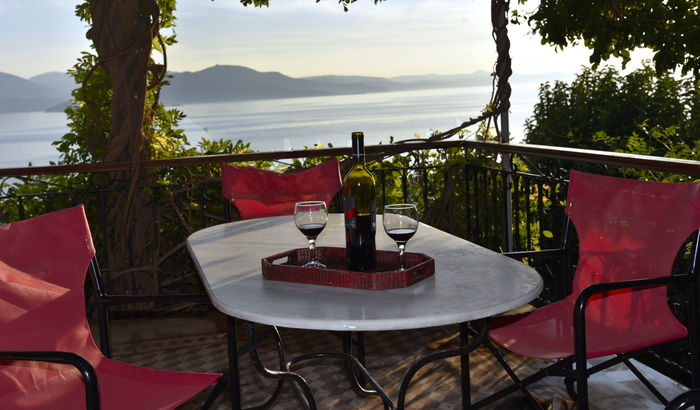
{"x": 52, "y": 91}
{"x": 235, "y": 83}
{"x": 44, "y": 92}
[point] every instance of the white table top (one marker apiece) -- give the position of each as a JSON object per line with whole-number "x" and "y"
{"x": 470, "y": 282}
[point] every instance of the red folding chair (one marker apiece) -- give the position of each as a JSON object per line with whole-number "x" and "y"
{"x": 258, "y": 193}
{"x": 630, "y": 233}
{"x": 48, "y": 359}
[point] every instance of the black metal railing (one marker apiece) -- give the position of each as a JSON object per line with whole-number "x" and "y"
{"x": 503, "y": 205}
{"x": 502, "y": 208}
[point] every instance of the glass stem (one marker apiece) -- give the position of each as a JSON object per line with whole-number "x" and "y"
{"x": 402, "y": 246}
{"x": 312, "y": 248}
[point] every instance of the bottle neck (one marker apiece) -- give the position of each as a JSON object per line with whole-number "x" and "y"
{"x": 358, "y": 149}
{"x": 358, "y": 159}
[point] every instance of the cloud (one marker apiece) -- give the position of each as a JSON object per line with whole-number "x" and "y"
{"x": 301, "y": 37}
{"x": 296, "y": 37}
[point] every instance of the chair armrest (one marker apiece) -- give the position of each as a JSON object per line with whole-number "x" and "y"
{"x": 533, "y": 254}
{"x": 92, "y": 393}
{"x": 596, "y": 288}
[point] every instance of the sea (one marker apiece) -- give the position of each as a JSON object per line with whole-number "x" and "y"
{"x": 291, "y": 123}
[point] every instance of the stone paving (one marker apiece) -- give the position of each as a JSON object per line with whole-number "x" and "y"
{"x": 193, "y": 346}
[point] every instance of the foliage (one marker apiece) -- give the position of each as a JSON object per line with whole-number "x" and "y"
{"x": 612, "y": 28}
{"x": 266, "y": 3}
{"x": 89, "y": 116}
{"x": 640, "y": 113}
{"x": 434, "y": 181}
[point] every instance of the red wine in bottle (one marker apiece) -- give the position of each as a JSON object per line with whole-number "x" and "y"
{"x": 360, "y": 210}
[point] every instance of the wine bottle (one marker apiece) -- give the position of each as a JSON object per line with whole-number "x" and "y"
{"x": 360, "y": 210}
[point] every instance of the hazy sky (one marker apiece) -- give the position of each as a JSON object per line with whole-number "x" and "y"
{"x": 295, "y": 37}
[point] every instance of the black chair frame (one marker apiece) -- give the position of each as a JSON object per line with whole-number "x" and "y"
{"x": 105, "y": 301}
{"x": 574, "y": 368}
{"x": 92, "y": 391}
{"x": 685, "y": 400}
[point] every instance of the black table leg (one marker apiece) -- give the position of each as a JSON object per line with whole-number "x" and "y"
{"x": 465, "y": 347}
{"x": 235, "y": 376}
{"x": 464, "y": 365}
{"x": 297, "y": 382}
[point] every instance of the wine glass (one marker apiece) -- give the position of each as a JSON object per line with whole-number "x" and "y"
{"x": 400, "y": 223}
{"x": 311, "y": 217}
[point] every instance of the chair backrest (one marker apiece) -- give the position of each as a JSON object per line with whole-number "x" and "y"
{"x": 257, "y": 193}
{"x": 629, "y": 229}
{"x": 43, "y": 263}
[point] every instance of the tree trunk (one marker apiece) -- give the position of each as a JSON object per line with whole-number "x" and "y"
{"x": 122, "y": 32}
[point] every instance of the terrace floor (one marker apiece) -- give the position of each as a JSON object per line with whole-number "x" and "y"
{"x": 198, "y": 344}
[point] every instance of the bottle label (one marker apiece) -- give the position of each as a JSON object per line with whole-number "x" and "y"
{"x": 351, "y": 213}
{"x": 360, "y": 229}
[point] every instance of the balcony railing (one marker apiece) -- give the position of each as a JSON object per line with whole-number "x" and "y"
{"x": 501, "y": 196}
{"x": 485, "y": 199}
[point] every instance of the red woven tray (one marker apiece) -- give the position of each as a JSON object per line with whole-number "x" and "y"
{"x": 385, "y": 276}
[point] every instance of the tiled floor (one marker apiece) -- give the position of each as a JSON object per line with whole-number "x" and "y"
{"x": 389, "y": 354}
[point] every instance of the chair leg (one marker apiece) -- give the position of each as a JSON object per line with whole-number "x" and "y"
{"x": 103, "y": 313}
{"x": 518, "y": 384}
{"x": 645, "y": 381}
{"x": 581, "y": 384}
{"x": 569, "y": 381}
{"x": 218, "y": 389}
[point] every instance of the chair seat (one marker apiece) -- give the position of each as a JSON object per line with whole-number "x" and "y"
{"x": 122, "y": 386}
{"x": 43, "y": 262}
{"x": 548, "y": 332}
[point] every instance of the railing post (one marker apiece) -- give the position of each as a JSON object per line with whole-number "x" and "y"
{"x": 507, "y": 184}
{"x": 499, "y": 21}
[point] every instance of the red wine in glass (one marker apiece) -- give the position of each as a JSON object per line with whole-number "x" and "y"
{"x": 311, "y": 230}
{"x": 401, "y": 234}
{"x": 400, "y": 223}
{"x": 310, "y": 218}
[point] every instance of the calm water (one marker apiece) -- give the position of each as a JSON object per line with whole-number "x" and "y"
{"x": 283, "y": 124}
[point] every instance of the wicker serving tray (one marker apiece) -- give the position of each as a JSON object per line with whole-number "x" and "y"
{"x": 385, "y": 276}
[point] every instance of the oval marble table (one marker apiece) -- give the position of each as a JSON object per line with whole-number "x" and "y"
{"x": 470, "y": 282}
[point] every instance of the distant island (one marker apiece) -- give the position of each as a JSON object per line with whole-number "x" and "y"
{"x": 52, "y": 91}
{"x": 236, "y": 83}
